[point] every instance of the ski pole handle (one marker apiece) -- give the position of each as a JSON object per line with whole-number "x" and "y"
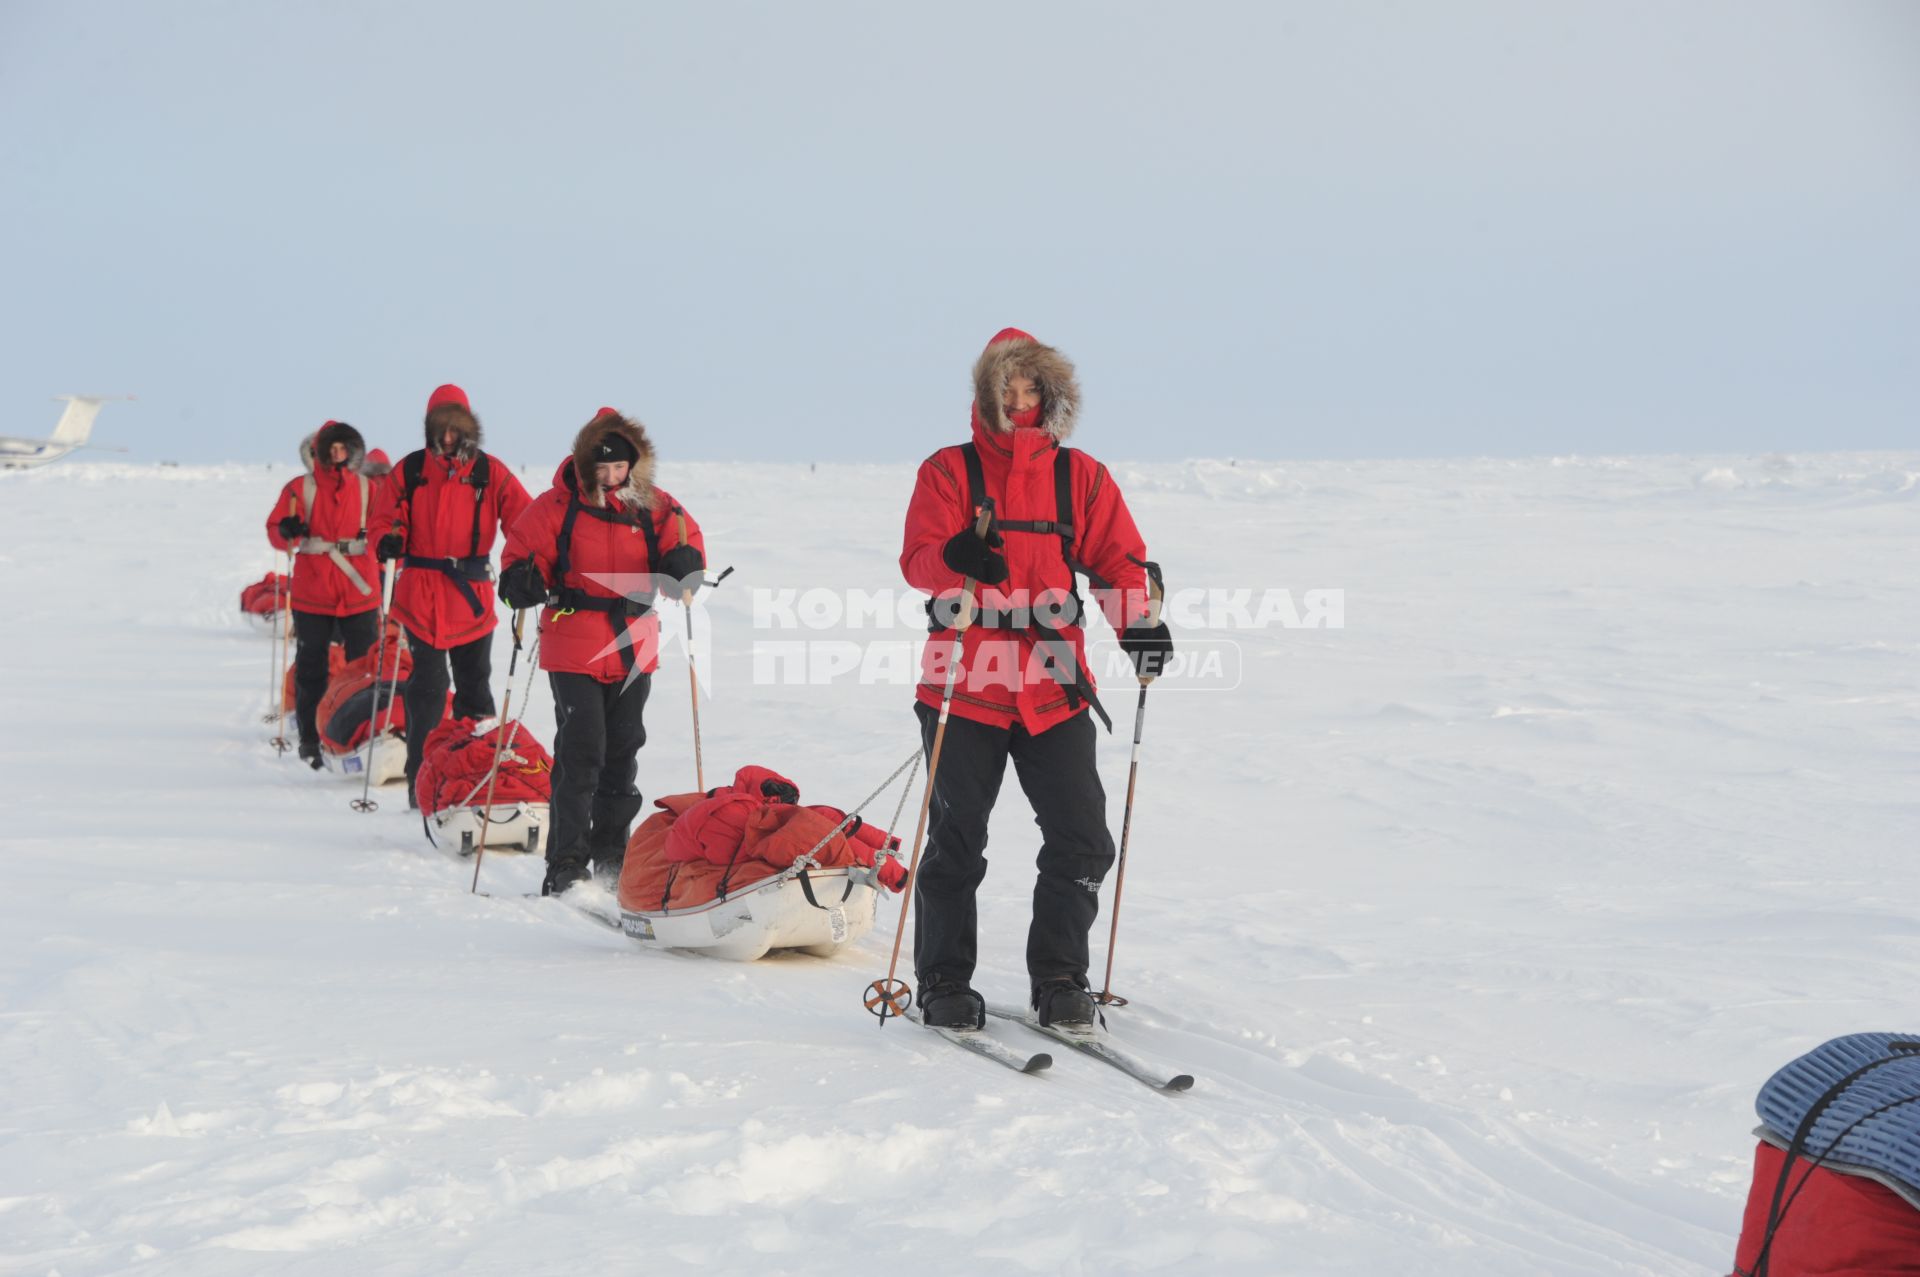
{"x": 964, "y": 617}
{"x": 1156, "y": 601}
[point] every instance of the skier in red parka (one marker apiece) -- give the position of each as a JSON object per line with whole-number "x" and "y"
{"x": 1024, "y": 688}
{"x": 439, "y": 512}
{"x": 322, "y": 517}
{"x": 591, "y": 549}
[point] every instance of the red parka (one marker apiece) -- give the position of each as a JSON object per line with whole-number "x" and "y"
{"x": 1002, "y": 680}
{"x": 439, "y": 522}
{"x": 336, "y": 514}
{"x": 608, "y": 542}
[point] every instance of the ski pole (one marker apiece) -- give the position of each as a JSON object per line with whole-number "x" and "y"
{"x": 280, "y": 745}
{"x": 273, "y": 641}
{"x": 501, "y": 739}
{"x": 365, "y": 803}
{"x": 891, "y": 996}
{"x": 1156, "y": 592}
{"x": 693, "y": 681}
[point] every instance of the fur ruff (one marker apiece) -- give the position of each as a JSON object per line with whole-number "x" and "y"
{"x": 637, "y": 493}
{"x": 1049, "y": 369}
{"x": 339, "y": 432}
{"x": 452, "y": 414}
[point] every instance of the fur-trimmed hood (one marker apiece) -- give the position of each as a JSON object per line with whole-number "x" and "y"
{"x": 1013, "y": 353}
{"x": 337, "y": 432}
{"x": 458, "y": 416}
{"x": 637, "y": 493}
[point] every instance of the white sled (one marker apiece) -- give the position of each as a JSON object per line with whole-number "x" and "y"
{"x": 510, "y": 827}
{"x": 773, "y": 913}
{"x": 389, "y": 760}
{"x": 264, "y": 622}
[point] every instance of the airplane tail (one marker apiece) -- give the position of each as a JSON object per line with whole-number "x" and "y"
{"x": 76, "y": 423}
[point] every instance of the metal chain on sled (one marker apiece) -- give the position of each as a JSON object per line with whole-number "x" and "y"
{"x": 889, "y": 997}
{"x": 809, "y": 859}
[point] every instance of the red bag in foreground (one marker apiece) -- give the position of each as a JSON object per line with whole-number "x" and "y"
{"x": 701, "y": 846}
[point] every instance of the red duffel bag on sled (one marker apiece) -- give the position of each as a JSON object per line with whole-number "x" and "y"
{"x": 1836, "y": 1180}
{"x": 266, "y": 600}
{"x": 747, "y": 869}
{"x": 354, "y": 708}
{"x": 457, "y": 774}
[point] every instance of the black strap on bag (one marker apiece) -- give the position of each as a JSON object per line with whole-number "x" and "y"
{"x": 806, "y": 889}
{"x": 1798, "y": 1147}
{"x": 619, "y": 611}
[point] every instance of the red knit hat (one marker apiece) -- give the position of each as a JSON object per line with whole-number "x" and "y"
{"x": 447, "y": 394}
{"x": 1010, "y": 334}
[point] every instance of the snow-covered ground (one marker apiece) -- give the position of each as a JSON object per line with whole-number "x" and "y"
{"x": 1480, "y": 919}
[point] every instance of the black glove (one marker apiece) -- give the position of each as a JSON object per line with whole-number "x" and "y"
{"x": 521, "y": 585}
{"x": 968, "y": 555}
{"x": 1149, "y": 646}
{"x": 391, "y": 547}
{"x": 686, "y": 565}
{"x": 293, "y": 528}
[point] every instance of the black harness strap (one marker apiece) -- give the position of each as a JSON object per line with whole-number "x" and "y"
{"x": 462, "y": 572}
{"x": 1077, "y": 685}
{"x": 619, "y": 611}
{"x": 413, "y": 474}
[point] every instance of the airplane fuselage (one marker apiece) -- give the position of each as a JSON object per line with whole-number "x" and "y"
{"x": 72, "y": 430}
{"x": 22, "y": 454}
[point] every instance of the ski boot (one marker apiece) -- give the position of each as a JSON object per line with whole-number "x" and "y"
{"x": 310, "y": 754}
{"x": 953, "y": 1006}
{"x": 1065, "y": 1006}
{"x": 562, "y": 874}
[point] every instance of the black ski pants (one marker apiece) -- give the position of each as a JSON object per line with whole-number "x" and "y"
{"x": 1056, "y": 771}
{"x": 313, "y": 634}
{"x": 598, "y": 731}
{"x": 427, "y": 688}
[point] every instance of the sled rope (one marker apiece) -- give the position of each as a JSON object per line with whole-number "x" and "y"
{"x": 493, "y": 772}
{"x": 285, "y": 627}
{"x": 890, "y": 995}
{"x": 365, "y": 802}
{"x": 810, "y": 858}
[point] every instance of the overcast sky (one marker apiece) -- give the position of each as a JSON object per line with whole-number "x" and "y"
{"x": 785, "y": 230}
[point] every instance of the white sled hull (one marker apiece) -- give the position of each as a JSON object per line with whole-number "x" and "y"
{"x": 511, "y": 827}
{"x": 263, "y": 622}
{"x": 758, "y": 919}
{"x": 389, "y": 761}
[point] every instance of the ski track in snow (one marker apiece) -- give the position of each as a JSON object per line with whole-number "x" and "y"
{"x": 1479, "y": 920}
